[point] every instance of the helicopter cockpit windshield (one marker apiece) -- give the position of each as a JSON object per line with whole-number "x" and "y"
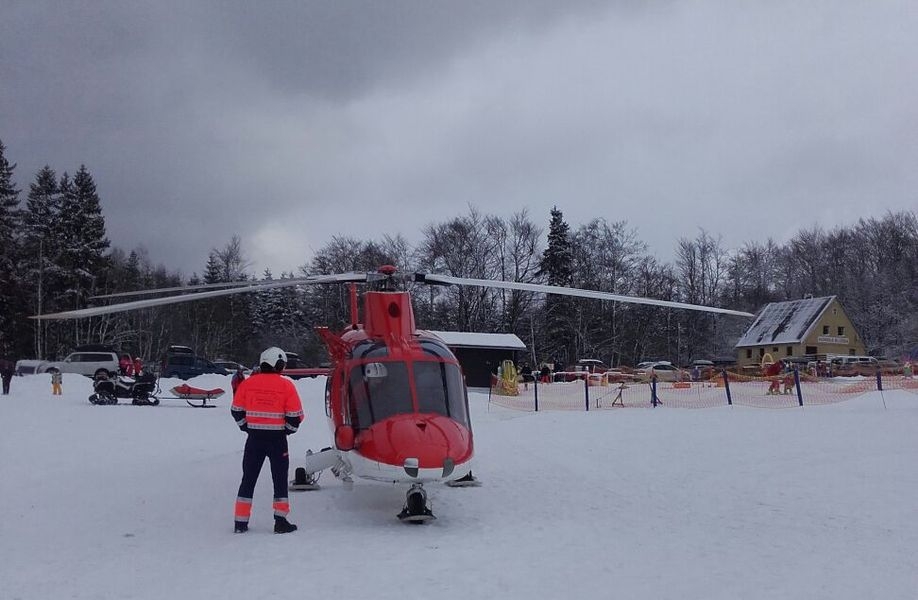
{"x": 379, "y": 390}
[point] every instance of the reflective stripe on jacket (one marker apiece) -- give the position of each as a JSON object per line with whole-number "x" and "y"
{"x": 267, "y": 402}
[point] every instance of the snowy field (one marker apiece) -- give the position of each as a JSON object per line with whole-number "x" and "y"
{"x": 132, "y": 502}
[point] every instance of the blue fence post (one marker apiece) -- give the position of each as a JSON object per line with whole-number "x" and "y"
{"x": 586, "y": 391}
{"x": 653, "y": 390}
{"x": 797, "y": 384}
{"x": 879, "y": 380}
{"x": 535, "y": 388}
{"x": 727, "y": 386}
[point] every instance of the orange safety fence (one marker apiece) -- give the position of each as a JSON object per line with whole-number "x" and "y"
{"x": 759, "y": 392}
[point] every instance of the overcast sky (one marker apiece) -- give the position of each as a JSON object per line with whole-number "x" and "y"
{"x": 289, "y": 122}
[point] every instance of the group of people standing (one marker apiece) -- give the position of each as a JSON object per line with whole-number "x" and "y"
{"x": 130, "y": 366}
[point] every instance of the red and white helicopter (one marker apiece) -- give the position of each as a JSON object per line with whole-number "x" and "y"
{"x": 395, "y": 397}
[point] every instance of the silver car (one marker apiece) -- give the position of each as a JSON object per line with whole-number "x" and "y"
{"x": 664, "y": 370}
{"x": 90, "y": 364}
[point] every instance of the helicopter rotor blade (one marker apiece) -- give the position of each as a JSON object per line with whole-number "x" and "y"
{"x": 431, "y": 278}
{"x": 192, "y": 288}
{"x": 163, "y": 301}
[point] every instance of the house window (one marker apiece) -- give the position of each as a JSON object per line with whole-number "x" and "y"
{"x": 761, "y": 352}
{"x": 790, "y": 351}
{"x": 825, "y": 330}
{"x": 812, "y": 350}
{"x": 774, "y": 349}
{"x": 748, "y": 352}
{"x": 841, "y": 330}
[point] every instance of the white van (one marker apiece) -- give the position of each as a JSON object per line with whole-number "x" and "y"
{"x": 854, "y": 365}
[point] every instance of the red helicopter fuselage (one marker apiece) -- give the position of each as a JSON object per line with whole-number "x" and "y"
{"x": 396, "y": 398}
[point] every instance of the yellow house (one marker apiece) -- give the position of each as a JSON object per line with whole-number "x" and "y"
{"x": 799, "y": 328}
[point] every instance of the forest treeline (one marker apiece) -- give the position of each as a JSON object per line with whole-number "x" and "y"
{"x": 54, "y": 255}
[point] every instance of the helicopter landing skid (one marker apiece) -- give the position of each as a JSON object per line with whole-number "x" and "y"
{"x": 416, "y": 510}
{"x": 303, "y": 482}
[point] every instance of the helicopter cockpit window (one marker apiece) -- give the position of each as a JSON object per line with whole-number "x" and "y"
{"x": 440, "y": 390}
{"x": 370, "y": 349}
{"x": 436, "y": 349}
{"x": 377, "y": 391}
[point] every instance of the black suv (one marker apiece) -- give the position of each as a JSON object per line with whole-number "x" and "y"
{"x": 181, "y": 362}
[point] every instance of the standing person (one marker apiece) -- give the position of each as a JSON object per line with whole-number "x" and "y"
{"x": 238, "y": 377}
{"x": 125, "y": 365}
{"x": 545, "y": 374}
{"x": 267, "y": 407}
{"x": 56, "y": 380}
{"x": 7, "y": 368}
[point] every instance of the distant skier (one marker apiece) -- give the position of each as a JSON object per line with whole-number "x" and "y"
{"x": 267, "y": 407}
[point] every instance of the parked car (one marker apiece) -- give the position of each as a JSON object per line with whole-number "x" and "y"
{"x": 230, "y": 366}
{"x": 889, "y": 366}
{"x": 592, "y": 365}
{"x": 28, "y": 366}
{"x": 183, "y": 363}
{"x": 854, "y": 365}
{"x": 664, "y": 371}
{"x": 91, "y": 364}
{"x": 702, "y": 369}
{"x": 297, "y": 369}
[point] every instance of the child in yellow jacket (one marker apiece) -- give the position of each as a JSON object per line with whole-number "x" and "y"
{"x": 56, "y": 380}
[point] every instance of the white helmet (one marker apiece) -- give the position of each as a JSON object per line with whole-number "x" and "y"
{"x": 272, "y": 356}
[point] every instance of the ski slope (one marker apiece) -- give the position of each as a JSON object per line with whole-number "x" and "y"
{"x": 118, "y": 502}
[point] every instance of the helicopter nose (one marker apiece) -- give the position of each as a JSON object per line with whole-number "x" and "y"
{"x": 430, "y": 439}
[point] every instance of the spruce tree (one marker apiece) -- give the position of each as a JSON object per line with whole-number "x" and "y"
{"x": 91, "y": 244}
{"x": 12, "y": 302}
{"x": 41, "y": 249}
{"x": 557, "y": 267}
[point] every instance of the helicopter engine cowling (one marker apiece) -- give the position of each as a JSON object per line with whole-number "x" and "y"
{"x": 416, "y": 447}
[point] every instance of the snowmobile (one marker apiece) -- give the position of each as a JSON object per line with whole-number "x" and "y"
{"x": 141, "y": 390}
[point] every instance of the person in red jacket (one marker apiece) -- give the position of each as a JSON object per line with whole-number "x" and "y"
{"x": 267, "y": 407}
{"x": 125, "y": 365}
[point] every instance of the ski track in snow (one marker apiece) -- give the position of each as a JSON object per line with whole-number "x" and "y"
{"x": 730, "y": 502}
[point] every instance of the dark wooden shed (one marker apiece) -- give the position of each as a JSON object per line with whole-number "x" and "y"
{"x": 481, "y": 353}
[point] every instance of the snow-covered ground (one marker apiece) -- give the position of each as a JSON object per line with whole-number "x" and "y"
{"x": 125, "y": 501}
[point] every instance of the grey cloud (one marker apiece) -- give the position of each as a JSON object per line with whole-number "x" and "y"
{"x": 289, "y": 122}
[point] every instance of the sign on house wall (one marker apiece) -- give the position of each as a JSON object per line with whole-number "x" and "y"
{"x": 831, "y": 339}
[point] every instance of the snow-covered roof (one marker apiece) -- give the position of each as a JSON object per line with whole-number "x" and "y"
{"x": 785, "y": 322}
{"x": 467, "y": 339}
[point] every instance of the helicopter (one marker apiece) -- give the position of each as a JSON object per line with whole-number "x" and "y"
{"x": 395, "y": 396}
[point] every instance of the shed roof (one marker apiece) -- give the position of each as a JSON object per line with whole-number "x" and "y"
{"x": 785, "y": 322}
{"x": 468, "y": 339}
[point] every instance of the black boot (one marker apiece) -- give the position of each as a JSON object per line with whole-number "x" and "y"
{"x": 282, "y": 525}
{"x": 241, "y": 527}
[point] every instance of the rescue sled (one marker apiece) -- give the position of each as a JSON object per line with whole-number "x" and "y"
{"x": 189, "y": 393}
